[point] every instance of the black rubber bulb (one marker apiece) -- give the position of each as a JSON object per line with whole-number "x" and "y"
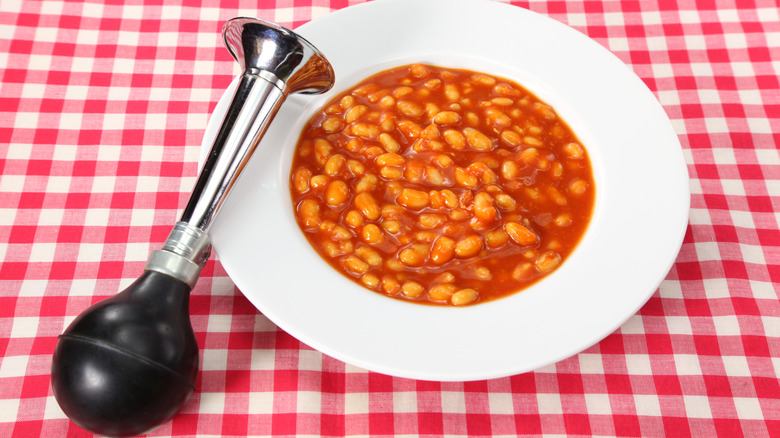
{"x": 128, "y": 363}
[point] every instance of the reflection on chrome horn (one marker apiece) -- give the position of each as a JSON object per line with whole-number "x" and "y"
{"x": 128, "y": 363}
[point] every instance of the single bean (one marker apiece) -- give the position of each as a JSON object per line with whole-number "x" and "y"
{"x": 523, "y": 271}
{"x": 355, "y": 113}
{"x": 346, "y": 102}
{"x": 337, "y": 193}
{"x": 433, "y": 84}
{"x": 334, "y": 164}
{"x": 354, "y": 265}
{"x": 464, "y": 178}
{"x": 468, "y": 246}
{"x": 413, "y": 256}
{"x": 371, "y": 233}
{"x": 388, "y": 142}
{"x": 413, "y": 199}
{"x": 545, "y": 111}
{"x": 511, "y": 137}
{"x": 578, "y": 186}
{"x": 412, "y": 289}
{"x": 387, "y": 101}
{"x": 447, "y": 118}
{"x": 369, "y": 255}
{"x": 532, "y": 140}
{"x": 309, "y": 211}
{"x": 556, "y": 195}
{"x": 431, "y": 132}
{"x": 464, "y": 296}
{"x": 548, "y": 261}
{"x": 409, "y": 128}
{"x": 443, "y": 250}
{"x": 402, "y": 92}
{"x": 496, "y": 238}
{"x": 480, "y": 79}
{"x": 365, "y": 130}
{"x": 353, "y": 218}
{"x": 431, "y": 109}
{"x": 391, "y": 226}
{"x": 332, "y": 124}
{"x": 322, "y": 150}
{"x": 434, "y": 176}
{"x": 509, "y": 170}
{"x": 419, "y": 70}
{"x": 319, "y": 182}
{"x": 367, "y": 183}
{"x": 356, "y": 167}
{"x": 390, "y": 159}
{"x": 505, "y": 202}
{"x": 377, "y": 95}
{"x": 502, "y": 101}
{"x": 367, "y": 205}
{"x": 301, "y": 179}
{"x": 431, "y": 220}
{"x": 450, "y": 199}
{"x": 451, "y": 92}
{"x": 472, "y": 119}
{"x": 390, "y": 285}
{"x": 483, "y": 273}
{"x": 409, "y": 109}
{"x": 445, "y": 277}
{"x": 497, "y": 118}
{"x": 484, "y": 210}
{"x": 455, "y": 139}
{"x": 506, "y": 90}
{"x": 521, "y": 234}
{"x": 425, "y": 236}
{"x": 391, "y": 173}
{"x": 371, "y": 281}
{"x": 441, "y": 292}
{"x": 340, "y": 233}
{"x": 563, "y": 220}
{"x": 574, "y": 151}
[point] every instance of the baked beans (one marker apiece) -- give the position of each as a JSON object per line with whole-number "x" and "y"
{"x": 441, "y": 185}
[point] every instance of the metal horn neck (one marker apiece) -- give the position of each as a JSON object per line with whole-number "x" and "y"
{"x": 276, "y": 62}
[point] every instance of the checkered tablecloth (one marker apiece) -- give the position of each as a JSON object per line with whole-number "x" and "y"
{"x": 102, "y": 110}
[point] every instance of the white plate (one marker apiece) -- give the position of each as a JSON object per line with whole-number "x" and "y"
{"x": 636, "y": 231}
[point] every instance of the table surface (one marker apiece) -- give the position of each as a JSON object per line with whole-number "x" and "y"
{"x": 102, "y": 110}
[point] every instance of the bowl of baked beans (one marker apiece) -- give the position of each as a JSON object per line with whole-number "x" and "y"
{"x": 441, "y": 186}
{"x": 461, "y": 205}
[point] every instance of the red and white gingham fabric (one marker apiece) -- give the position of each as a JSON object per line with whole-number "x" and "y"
{"x": 102, "y": 109}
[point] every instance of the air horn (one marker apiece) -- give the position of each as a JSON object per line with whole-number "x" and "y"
{"x": 128, "y": 363}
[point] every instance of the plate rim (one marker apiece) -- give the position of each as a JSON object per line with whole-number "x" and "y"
{"x": 304, "y": 335}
